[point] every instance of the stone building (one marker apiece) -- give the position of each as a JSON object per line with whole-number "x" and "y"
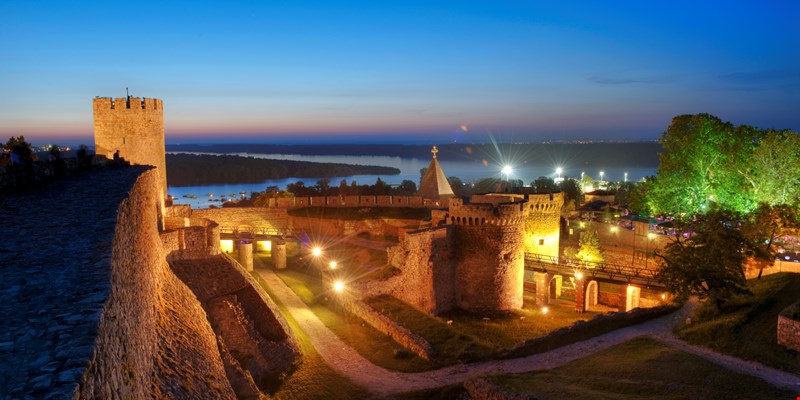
{"x": 134, "y": 127}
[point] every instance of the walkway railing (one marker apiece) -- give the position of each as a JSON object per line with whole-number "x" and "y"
{"x": 604, "y": 271}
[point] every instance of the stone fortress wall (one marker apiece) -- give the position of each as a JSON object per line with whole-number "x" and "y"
{"x": 133, "y": 126}
{"x": 153, "y": 339}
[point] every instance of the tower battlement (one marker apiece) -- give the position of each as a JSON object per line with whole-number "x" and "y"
{"x": 492, "y": 213}
{"x": 128, "y": 103}
{"x": 133, "y": 129}
{"x": 545, "y": 203}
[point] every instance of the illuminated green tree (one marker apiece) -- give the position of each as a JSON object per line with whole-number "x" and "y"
{"x": 590, "y": 250}
{"x": 774, "y": 168}
{"x": 708, "y": 261}
{"x": 692, "y": 168}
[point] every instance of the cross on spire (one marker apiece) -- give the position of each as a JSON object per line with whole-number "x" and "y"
{"x": 434, "y": 150}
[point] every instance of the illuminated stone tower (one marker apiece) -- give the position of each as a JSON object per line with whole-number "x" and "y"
{"x": 135, "y": 128}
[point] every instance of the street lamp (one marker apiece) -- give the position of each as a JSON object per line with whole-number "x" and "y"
{"x": 507, "y": 170}
{"x": 601, "y": 175}
{"x": 626, "y": 177}
{"x": 558, "y": 172}
{"x": 332, "y": 264}
{"x": 338, "y": 286}
{"x": 316, "y": 251}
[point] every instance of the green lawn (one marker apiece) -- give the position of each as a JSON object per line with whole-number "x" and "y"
{"x": 313, "y": 378}
{"x": 748, "y": 328}
{"x": 638, "y": 369}
{"x": 641, "y": 369}
{"x": 373, "y": 345}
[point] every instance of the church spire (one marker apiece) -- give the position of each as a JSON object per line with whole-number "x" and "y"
{"x": 434, "y": 184}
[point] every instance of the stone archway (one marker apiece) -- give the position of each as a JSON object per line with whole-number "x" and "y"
{"x": 554, "y": 289}
{"x": 592, "y": 293}
{"x": 632, "y": 294}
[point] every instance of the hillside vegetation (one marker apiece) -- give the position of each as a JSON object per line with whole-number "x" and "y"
{"x": 193, "y": 169}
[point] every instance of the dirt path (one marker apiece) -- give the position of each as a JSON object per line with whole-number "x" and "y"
{"x": 382, "y": 382}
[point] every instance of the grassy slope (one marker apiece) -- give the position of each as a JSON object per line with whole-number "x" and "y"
{"x": 641, "y": 368}
{"x": 313, "y": 379}
{"x": 748, "y": 329}
{"x": 370, "y": 343}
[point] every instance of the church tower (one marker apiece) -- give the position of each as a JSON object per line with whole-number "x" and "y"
{"x": 434, "y": 184}
{"x": 134, "y": 127}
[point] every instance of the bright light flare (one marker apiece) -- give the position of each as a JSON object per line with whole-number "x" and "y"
{"x": 332, "y": 264}
{"x": 338, "y": 286}
{"x": 507, "y": 169}
{"x": 316, "y": 251}
{"x": 579, "y": 276}
{"x": 545, "y": 310}
{"x": 559, "y": 170}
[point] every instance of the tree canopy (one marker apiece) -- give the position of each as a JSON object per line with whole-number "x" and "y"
{"x": 709, "y": 164}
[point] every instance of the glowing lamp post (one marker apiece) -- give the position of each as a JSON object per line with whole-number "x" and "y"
{"x": 626, "y": 177}
{"x": 316, "y": 251}
{"x": 559, "y": 178}
{"x": 332, "y": 264}
{"x": 338, "y": 286}
{"x": 601, "y": 175}
{"x": 507, "y": 170}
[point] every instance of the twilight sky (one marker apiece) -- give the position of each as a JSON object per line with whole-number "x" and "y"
{"x": 272, "y": 71}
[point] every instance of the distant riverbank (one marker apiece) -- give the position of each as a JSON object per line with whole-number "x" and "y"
{"x": 200, "y": 169}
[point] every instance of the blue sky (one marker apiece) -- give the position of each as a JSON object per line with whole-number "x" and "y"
{"x": 391, "y": 71}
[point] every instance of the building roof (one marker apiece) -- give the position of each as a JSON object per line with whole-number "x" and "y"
{"x": 434, "y": 184}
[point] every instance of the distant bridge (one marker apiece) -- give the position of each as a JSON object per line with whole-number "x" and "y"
{"x": 608, "y": 272}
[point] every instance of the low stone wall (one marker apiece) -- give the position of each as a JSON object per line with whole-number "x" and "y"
{"x": 356, "y": 201}
{"x": 482, "y": 389}
{"x": 752, "y": 268}
{"x": 398, "y": 333}
{"x": 339, "y": 227}
{"x": 789, "y": 330}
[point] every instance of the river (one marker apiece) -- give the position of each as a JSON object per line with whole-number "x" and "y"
{"x": 468, "y": 171}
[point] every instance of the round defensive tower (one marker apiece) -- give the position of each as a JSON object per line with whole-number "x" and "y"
{"x": 489, "y": 252}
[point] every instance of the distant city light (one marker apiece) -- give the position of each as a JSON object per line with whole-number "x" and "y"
{"x": 338, "y": 286}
